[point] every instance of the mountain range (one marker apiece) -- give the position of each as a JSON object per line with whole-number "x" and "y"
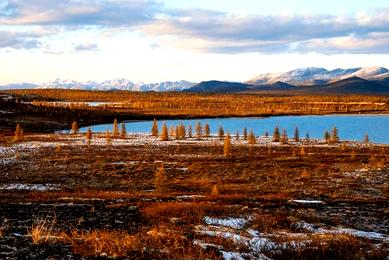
{"x": 360, "y": 80}
{"x": 311, "y": 80}
{"x": 117, "y": 84}
{"x": 319, "y": 76}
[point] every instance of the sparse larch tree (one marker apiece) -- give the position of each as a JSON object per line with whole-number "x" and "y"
{"x": 88, "y": 136}
{"x": 172, "y": 131}
{"x": 115, "y": 130}
{"x": 190, "y": 134}
{"x": 227, "y": 145}
{"x": 276, "y": 134}
{"x": 307, "y": 138}
{"x": 123, "y": 131}
{"x": 154, "y": 129}
{"x": 284, "y": 137}
{"x": 178, "y": 132}
{"x": 164, "y": 133}
{"x": 18, "y": 136}
{"x": 266, "y": 134}
{"x": 221, "y": 133}
{"x": 215, "y": 190}
{"x": 108, "y": 137}
{"x": 160, "y": 179}
{"x": 366, "y": 139}
{"x": 251, "y": 138}
{"x": 245, "y": 133}
{"x": 237, "y": 138}
{"x": 327, "y": 136}
{"x": 182, "y": 131}
{"x": 334, "y": 135}
{"x": 199, "y": 130}
{"x": 296, "y": 136}
{"x": 207, "y": 130}
{"x": 75, "y": 128}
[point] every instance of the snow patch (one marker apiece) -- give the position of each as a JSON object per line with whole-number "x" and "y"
{"x": 231, "y": 255}
{"x": 189, "y": 196}
{"x": 237, "y": 223}
{"x": 31, "y": 187}
{"x": 349, "y": 231}
{"x": 303, "y": 201}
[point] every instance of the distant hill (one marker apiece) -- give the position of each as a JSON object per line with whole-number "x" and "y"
{"x": 277, "y": 86}
{"x": 353, "y": 85}
{"x": 219, "y": 87}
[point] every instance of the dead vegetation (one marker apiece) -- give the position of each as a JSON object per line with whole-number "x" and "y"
{"x": 143, "y": 201}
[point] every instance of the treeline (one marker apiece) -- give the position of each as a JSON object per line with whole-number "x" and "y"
{"x": 177, "y": 103}
{"x": 46, "y": 118}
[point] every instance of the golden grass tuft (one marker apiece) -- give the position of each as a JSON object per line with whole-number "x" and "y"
{"x": 42, "y": 230}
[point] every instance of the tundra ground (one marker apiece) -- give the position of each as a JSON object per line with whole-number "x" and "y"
{"x": 139, "y": 197}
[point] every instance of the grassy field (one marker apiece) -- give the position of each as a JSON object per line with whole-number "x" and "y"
{"x": 139, "y": 197}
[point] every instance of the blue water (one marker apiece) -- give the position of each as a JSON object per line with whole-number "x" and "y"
{"x": 351, "y": 127}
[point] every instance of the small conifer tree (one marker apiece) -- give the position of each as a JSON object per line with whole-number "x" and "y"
{"x": 18, "y": 136}
{"x": 307, "y": 138}
{"x": 123, "y": 131}
{"x": 266, "y": 134}
{"x": 75, "y": 128}
{"x": 160, "y": 179}
{"x": 172, "y": 131}
{"x": 182, "y": 131}
{"x": 215, "y": 190}
{"x": 164, "y": 133}
{"x": 366, "y": 139}
{"x": 276, "y": 134}
{"x": 154, "y": 129}
{"x": 199, "y": 130}
{"x": 245, "y": 133}
{"x": 334, "y": 135}
{"x": 108, "y": 137}
{"x": 115, "y": 130}
{"x": 237, "y": 138}
{"x": 178, "y": 132}
{"x": 88, "y": 136}
{"x": 221, "y": 132}
{"x": 327, "y": 136}
{"x": 207, "y": 130}
{"x": 251, "y": 138}
{"x": 296, "y": 136}
{"x": 227, "y": 145}
{"x": 190, "y": 134}
{"x": 284, "y": 137}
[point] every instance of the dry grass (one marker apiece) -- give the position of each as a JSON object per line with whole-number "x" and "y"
{"x": 271, "y": 222}
{"x": 42, "y": 230}
{"x": 191, "y": 213}
{"x": 158, "y": 243}
{"x": 325, "y": 246}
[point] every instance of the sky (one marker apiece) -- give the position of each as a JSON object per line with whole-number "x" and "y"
{"x": 169, "y": 40}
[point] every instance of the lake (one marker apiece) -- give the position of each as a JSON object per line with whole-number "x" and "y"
{"x": 351, "y": 127}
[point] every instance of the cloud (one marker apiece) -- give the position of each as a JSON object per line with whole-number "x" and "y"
{"x": 87, "y": 47}
{"x": 78, "y": 12}
{"x": 231, "y": 33}
{"x": 199, "y": 29}
{"x": 20, "y": 40}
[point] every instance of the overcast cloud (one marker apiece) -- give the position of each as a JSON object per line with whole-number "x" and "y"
{"x": 197, "y": 29}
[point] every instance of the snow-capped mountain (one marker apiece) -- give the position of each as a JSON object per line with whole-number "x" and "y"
{"x": 117, "y": 84}
{"x": 165, "y": 86}
{"x": 317, "y": 76}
